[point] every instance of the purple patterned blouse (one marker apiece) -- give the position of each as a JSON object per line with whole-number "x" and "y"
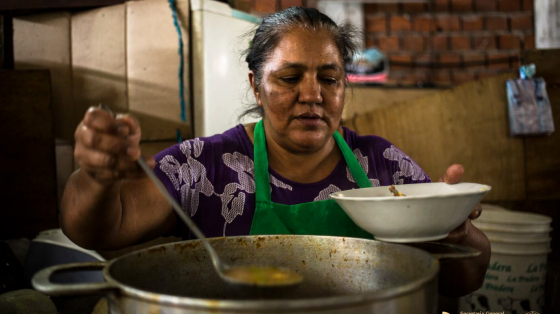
{"x": 213, "y": 178}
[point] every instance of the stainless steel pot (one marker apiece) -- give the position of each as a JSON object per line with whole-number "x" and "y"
{"x": 341, "y": 275}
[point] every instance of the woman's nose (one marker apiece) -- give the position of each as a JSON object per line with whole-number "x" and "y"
{"x": 310, "y": 91}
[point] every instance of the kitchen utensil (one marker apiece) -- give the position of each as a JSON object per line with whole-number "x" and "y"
{"x": 342, "y": 275}
{"x": 428, "y": 212}
{"x": 258, "y": 276}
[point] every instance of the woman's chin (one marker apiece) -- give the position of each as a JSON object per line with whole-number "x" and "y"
{"x": 310, "y": 140}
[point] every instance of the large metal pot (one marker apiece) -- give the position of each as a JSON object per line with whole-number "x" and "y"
{"x": 341, "y": 275}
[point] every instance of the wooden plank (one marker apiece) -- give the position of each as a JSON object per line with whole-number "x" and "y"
{"x": 6, "y": 42}
{"x": 467, "y": 124}
{"x": 99, "y": 59}
{"x": 152, "y": 65}
{"x": 361, "y": 99}
{"x": 27, "y": 171}
{"x": 2, "y": 42}
{"x": 42, "y": 41}
{"x": 11, "y": 5}
{"x": 543, "y": 153}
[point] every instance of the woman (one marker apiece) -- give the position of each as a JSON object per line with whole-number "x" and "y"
{"x": 270, "y": 178}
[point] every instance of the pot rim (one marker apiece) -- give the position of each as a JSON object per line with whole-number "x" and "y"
{"x": 284, "y": 304}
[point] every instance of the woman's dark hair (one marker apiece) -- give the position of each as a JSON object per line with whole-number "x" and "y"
{"x": 270, "y": 31}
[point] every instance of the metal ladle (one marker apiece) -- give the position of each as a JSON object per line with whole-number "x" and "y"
{"x": 254, "y": 276}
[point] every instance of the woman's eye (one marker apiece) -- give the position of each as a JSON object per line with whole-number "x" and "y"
{"x": 329, "y": 80}
{"x": 290, "y": 79}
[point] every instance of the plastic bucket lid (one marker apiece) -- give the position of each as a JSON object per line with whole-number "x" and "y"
{"x": 516, "y": 236}
{"x": 515, "y": 228}
{"x": 512, "y": 218}
{"x": 522, "y": 248}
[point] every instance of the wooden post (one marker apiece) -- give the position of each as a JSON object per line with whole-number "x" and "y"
{"x": 6, "y": 43}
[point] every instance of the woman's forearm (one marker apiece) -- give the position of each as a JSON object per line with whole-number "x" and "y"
{"x": 90, "y": 212}
{"x": 461, "y": 277}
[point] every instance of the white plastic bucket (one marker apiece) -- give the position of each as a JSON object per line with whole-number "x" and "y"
{"x": 514, "y": 282}
{"x": 519, "y": 246}
{"x": 516, "y": 235}
{"x": 506, "y": 220}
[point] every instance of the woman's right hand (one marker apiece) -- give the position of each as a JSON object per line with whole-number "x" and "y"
{"x": 107, "y": 147}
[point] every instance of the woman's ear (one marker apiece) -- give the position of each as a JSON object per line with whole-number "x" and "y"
{"x": 254, "y": 87}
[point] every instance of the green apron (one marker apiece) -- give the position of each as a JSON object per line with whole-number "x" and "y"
{"x": 312, "y": 218}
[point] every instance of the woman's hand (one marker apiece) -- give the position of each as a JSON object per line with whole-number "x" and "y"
{"x": 460, "y": 277}
{"x": 107, "y": 147}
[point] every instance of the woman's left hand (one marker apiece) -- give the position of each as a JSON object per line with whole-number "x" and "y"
{"x": 453, "y": 175}
{"x": 460, "y": 277}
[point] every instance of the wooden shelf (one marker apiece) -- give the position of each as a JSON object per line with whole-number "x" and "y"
{"x": 26, "y": 5}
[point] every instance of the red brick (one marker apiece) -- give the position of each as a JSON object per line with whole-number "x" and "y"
{"x": 370, "y": 42}
{"x": 400, "y": 58}
{"x": 376, "y": 24}
{"x": 461, "y": 77}
{"x": 400, "y": 23}
{"x": 486, "y": 74}
{"x": 370, "y": 8}
{"x": 496, "y": 23}
{"x": 414, "y": 8}
{"x": 485, "y": 5}
{"x": 529, "y": 42}
{"x": 522, "y": 22}
{"x": 441, "y": 5}
{"x": 509, "y": 42}
{"x": 448, "y": 23}
{"x": 472, "y": 23}
{"x": 284, "y": 4}
{"x": 440, "y": 43}
{"x": 451, "y": 60}
{"x": 528, "y": 5}
{"x": 311, "y": 3}
{"x": 484, "y": 42}
{"x": 509, "y": 5}
{"x": 388, "y": 43}
{"x": 460, "y": 43}
{"x": 462, "y": 5}
{"x": 413, "y": 43}
{"x": 416, "y": 78}
{"x": 442, "y": 77}
{"x": 388, "y": 7}
{"x": 498, "y": 61}
{"x": 424, "y": 24}
{"x": 424, "y": 60}
{"x": 474, "y": 61}
{"x": 242, "y": 5}
{"x": 265, "y": 6}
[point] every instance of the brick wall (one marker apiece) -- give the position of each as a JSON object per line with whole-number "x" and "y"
{"x": 440, "y": 43}
{"x": 261, "y": 7}
{"x": 450, "y": 41}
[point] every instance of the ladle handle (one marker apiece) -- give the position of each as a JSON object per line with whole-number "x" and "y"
{"x": 179, "y": 211}
{"x": 176, "y": 207}
{"x": 42, "y": 280}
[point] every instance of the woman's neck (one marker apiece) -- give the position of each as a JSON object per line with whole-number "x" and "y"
{"x": 307, "y": 167}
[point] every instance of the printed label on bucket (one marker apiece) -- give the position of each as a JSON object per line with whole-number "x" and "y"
{"x": 513, "y": 284}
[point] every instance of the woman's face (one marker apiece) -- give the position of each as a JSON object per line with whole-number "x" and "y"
{"x": 302, "y": 90}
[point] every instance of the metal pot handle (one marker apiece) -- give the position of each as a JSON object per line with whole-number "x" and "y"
{"x": 41, "y": 280}
{"x": 445, "y": 251}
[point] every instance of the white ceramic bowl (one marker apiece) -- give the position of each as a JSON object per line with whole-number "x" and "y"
{"x": 428, "y": 212}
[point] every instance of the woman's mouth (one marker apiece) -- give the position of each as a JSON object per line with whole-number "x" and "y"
{"x": 309, "y": 119}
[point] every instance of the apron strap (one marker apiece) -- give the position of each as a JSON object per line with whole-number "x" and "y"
{"x": 262, "y": 182}
{"x": 353, "y": 165}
